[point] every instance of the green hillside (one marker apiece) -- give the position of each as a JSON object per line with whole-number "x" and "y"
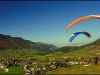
{"x": 88, "y": 51}
{"x": 78, "y": 69}
{"x": 8, "y": 42}
{"x": 90, "y": 46}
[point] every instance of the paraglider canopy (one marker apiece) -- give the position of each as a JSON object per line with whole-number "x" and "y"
{"x": 82, "y": 19}
{"x": 72, "y": 36}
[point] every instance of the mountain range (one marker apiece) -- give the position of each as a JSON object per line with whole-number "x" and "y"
{"x": 8, "y": 42}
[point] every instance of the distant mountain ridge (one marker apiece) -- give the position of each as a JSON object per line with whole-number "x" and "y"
{"x": 52, "y": 46}
{"x": 8, "y": 42}
{"x": 94, "y": 44}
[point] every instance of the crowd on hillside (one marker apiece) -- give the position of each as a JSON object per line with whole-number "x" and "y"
{"x": 52, "y": 64}
{"x": 44, "y": 68}
{"x": 58, "y": 64}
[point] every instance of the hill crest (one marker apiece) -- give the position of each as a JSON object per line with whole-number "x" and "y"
{"x": 8, "y": 42}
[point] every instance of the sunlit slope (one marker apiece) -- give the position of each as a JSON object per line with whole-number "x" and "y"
{"x": 78, "y": 69}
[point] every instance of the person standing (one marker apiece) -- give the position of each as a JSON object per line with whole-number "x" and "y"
{"x": 96, "y": 59}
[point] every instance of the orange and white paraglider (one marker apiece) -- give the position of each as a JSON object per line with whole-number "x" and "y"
{"x": 82, "y": 19}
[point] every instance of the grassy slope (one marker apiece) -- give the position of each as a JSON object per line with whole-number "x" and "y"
{"x": 78, "y": 69}
{"x": 93, "y": 69}
{"x": 14, "y": 70}
{"x": 20, "y": 53}
{"x": 86, "y": 52}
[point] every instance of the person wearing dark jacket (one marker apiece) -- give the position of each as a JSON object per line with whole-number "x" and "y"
{"x": 96, "y": 59}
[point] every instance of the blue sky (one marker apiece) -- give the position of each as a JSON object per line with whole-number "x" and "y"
{"x": 45, "y": 21}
